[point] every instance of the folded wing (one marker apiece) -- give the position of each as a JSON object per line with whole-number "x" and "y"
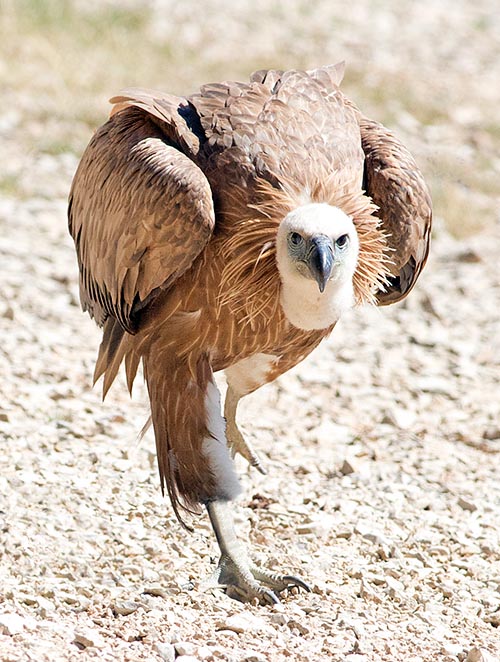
{"x": 140, "y": 209}
{"x": 396, "y": 186}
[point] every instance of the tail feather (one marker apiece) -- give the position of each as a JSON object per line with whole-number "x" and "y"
{"x": 112, "y": 351}
{"x": 132, "y": 360}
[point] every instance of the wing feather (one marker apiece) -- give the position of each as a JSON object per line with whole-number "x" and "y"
{"x": 396, "y": 186}
{"x": 140, "y": 209}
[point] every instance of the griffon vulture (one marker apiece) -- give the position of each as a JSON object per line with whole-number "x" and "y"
{"x": 229, "y": 230}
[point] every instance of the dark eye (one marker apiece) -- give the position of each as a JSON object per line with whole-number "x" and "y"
{"x": 295, "y": 238}
{"x": 342, "y": 241}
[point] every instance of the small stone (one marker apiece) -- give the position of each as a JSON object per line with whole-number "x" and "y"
{"x": 70, "y": 599}
{"x": 125, "y": 607}
{"x": 467, "y": 505}
{"x": 367, "y": 593}
{"x": 370, "y": 534}
{"x": 395, "y": 587}
{"x": 452, "y": 649}
{"x": 8, "y": 313}
{"x": 11, "y": 624}
{"x": 240, "y": 623}
{"x": 45, "y": 605}
{"x": 318, "y": 526}
{"x": 300, "y": 629}
{"x": 4, "y": 418}
{"x": 493, "y": 618}
{"x": 480, "y": 655}
{"x": 345, "y": 534}
{"x": 436, "y": 385}
{"x": 158, "y": 590}
{"x": 384, "y": 552}
{"x": 469, "y": 255}
{"x": 329, "y": 432}
{"x": 165, "y": 650}
{"x": 228, "y": 633}
{"x": 492, "y": 433}
{"x": 400, "y": 418}
{"x": 203, "y": 652}
{"x": 253, "y": 657}
{"x": 88, "y": 638}
{"x": 187, "y": 658}
{"x": 185, "y": 648}
{"x": 347, "y": 468}
{"x": 279, "y": 619}
{"x": 28, "y": 599}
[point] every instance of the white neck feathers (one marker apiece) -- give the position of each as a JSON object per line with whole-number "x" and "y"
{"x": 306, "y": 308}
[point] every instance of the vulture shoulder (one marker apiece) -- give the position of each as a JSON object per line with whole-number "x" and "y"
{"x": 140, "y": 209}
{"x": 394, "y": 182}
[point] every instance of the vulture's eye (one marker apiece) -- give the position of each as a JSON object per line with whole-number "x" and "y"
{"x": 342, "y": 241}
{"x": 295, "y": 238}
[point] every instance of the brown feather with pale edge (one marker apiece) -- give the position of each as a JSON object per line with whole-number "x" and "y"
{"x": 403, "y": 196}
{"x": 395, "y": 184}
{"x": 174, "y": 211}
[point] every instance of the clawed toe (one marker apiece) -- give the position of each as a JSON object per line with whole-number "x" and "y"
{"x": 279, "y": 582}
{"x": 246, "y": 581}
{"x": 262, "y": 594}
{"x": 245, "y": 449}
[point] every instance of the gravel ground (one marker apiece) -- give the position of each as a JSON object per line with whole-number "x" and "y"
{"x": 382, "y": 448}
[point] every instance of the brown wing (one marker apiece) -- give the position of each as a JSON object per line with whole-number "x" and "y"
{"x": 140, "y": 210}
{"x": 394, "y": 182}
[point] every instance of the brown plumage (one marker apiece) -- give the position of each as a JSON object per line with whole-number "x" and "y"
{"x": 175, "y": 210}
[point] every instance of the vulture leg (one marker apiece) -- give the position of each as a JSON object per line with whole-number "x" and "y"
{"x": 235, "y": 571}
{"x": 236, "y": 442}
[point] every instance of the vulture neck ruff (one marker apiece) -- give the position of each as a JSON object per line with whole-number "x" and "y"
{"x": 303, "y": 304}
{"x": 251, "y": 284}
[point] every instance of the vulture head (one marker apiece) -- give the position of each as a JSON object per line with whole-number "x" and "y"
{"x": 317, "y": 251}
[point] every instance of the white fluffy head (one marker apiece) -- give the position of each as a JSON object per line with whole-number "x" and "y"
{"x": 303, "y": 302}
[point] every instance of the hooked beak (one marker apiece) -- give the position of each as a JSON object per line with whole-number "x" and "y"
{"x": 320, "y": 260}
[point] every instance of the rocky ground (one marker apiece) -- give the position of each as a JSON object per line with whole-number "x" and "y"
{"x": 382, "y": 448}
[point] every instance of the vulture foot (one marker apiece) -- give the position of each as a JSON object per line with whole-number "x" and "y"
{"x": 245, "y": 581}
{"x": 235, "y": 572}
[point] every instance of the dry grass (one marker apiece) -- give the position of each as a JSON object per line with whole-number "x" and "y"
{"x": 67, "y": 63}
{"x": 62, "y": 59}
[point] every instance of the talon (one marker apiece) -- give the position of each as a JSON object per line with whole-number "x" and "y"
{"x": 271, "y": 598}
{"x": 296, "y": 581}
